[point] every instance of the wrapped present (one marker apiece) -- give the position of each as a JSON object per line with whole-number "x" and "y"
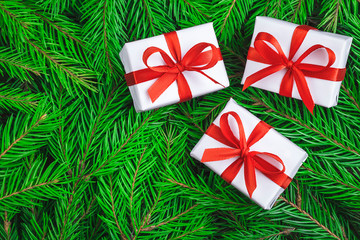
{"x": 297, "y": 61}
{"x": 249, "y": 154}
{"x": 173, "y": 67}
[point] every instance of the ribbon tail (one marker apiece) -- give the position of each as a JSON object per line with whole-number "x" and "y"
{"x": 304, "y": 90}
{"x": 213, "y": 80}
{"x": 250, "y": 177}
{"x": 253, "y": 78}
{"x": 160, "y": 85}
{"x": 231, "y": 171}
{"x": 183, "y": 88}
{"x": 287, "y": 84}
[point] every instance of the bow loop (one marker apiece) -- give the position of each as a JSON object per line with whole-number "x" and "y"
{"x": 239, "y": 148}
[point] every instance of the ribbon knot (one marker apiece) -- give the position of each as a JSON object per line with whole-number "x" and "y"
{"x": 239, "y": 148}
{"x": 196, "y": 59}
{"x": 244, "y": 153}
{"x": 180, "y": 67}
{"x": 296, "y": 71}
{"x": 289, "y": 64}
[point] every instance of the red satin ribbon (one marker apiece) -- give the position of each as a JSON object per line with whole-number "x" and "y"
{"x": 296, "y": 70}
{"x": 196, "y": 59}
{"x": 240, "y": 148}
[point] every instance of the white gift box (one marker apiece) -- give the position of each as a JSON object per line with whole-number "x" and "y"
{"x": 132, "y": 58}
{"x": 324, "y": 92}
{"x": 273, "y": 142}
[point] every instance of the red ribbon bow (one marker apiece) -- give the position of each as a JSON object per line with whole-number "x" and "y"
{"x": 194, "y": 60}
{"x": 296, "y": 70}
{"x": 240, "y": 148}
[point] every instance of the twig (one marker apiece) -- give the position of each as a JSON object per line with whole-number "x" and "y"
{"x": 170, "y": 220}
{"x": 332, "y": 218}
{"x": 96, "y": 228}
{"x": 309, "y": 216}
{"x": 119, "y": 150}
{"x": 297, "y": 9}
{"x": 287, "y": 231}
{"x": 148, "y": 16}
{"x": 335, "y": 180}
{"x": 82, "y": 162}
{"x": 13, "y": 16}
{"x": 133, "y": 187}
{"x": 227, "y": 16}
{"x": 201, "y": 12}
{"x": 24, "y": 134}
{"x": 32, "y": 104}
{"x": 185, "y": 234}
{"x": 298, "y": 195}
{"x": 105, "y": 37}
{"x": 208, "y": 195}
{"x": 88, "y": 209}
{"x": 218, "y": 105}
{"x": 7, "y": 225}
{"x": 29, "y": 188}
{"x": 147, "y": 217}
{"x": 113, "y": 210}
{"x": 37, "y": 73}
{"x": 195, "y": 124}
{"x": 350, "y": 96}
{"x": 60, "y": 29}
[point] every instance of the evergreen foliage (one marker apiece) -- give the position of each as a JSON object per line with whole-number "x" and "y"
{"x": 77, "y": 162}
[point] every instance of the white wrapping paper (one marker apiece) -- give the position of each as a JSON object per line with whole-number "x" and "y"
{"x": 131, "y": 57}
{"x": 324, "y": 93}
{"x": 267, "y": 191}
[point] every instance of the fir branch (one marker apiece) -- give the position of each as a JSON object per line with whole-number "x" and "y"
{"x": 332, "y": 179}
{"x": 113, "y": 211}
{"x": 351, "y": 97}
{"x": 147, "y": 217}
{"x": 227, "y": 16}
{"x": 188, "y": 233}
{"x": 93, "y": 131}
{"x": 15, "y": 98}
{"x": 79, "y": 78}
{"x": 121, "y": 147}
{"x": 14, "y": 17}
{"x": 59, "y": 28}
{"x": 105, "y": 37}
{"x": 12, "y": 58}
{"x": 7, "y": 225}
{"x": 327, "y": 211}
{"x": 70, "y": 200}
{"x": 88, "y": 209}
{"x": 29, "y": 189}
{"x": 309, "y": 216}
{"x": 133, "y": 188}
{"x": 196, "y": 190}
{"x": 171, "y": 219}
{"x": 23, "y": 135}
{"x": 196, "y": 9}
{"x": 147, "y": 13}
{"x": 285, "y": 232}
